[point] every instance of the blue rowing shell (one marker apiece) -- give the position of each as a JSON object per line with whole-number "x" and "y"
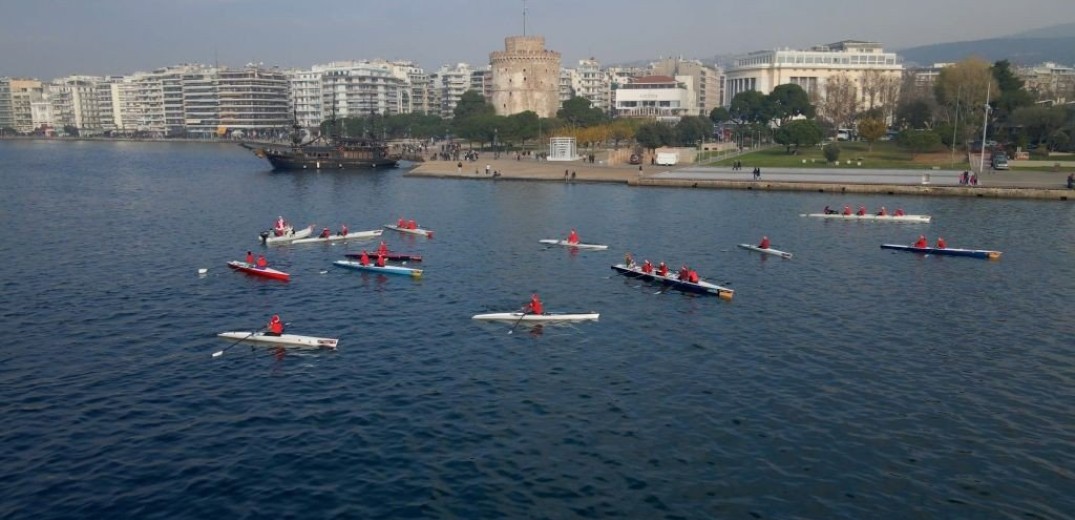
{"x": 973, "y": 253}
{"x": 388, "y": 269}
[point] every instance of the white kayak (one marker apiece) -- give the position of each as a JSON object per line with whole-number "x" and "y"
{"x": 418, "y": 231}
{"x": 292, "y": 340}
{"x": 545, "y": 318}
{"x": 577, "y": 245}
{"x": 290, "y": 235}
{"x": 768, "y": 251}
{"x": 333, "y": 238}
{"x": 924, "y": 219}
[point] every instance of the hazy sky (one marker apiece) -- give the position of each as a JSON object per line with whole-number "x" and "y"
{"x": 51, "y": 38}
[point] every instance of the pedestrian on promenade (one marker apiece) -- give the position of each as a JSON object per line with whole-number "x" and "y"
{"x": 1071, "y": 181}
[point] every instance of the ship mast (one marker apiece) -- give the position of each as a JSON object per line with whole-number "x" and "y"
{"x": 524, "y": 17}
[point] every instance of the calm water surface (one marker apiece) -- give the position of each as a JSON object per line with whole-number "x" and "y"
{"x": 849, "y": 382}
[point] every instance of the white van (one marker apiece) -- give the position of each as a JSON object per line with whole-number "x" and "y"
{"x": 667, "y": 158}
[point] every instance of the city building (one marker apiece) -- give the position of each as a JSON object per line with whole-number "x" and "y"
{"x": 590, "y": 82}
{"x": 705, "y": 80}
{"x": 7, "y": 119}
{"x": 658, "y": 97}
{"x": 22, "y": 94}
{"x": 1049, "y": 82}
{"x": 450, "y": 83}
{"x": 526, "y": 77}
{"x": 874, "y": 75}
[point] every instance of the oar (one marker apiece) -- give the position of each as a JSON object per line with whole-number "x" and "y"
{"x": 221, "y": 351}
{"x": 518, "y": 321}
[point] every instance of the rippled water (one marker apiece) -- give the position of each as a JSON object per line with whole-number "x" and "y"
{"x": 849, "y": 382}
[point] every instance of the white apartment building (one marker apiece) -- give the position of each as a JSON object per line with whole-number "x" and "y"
{"x": 451, "y": 83}
{"x": 590, "y": 82}
{"x": 16, "y": 109}
{"x": 659, "y": 97}
{"x": 813, "y": 68}
{"x": 82, "y": 102}
{"x": 705, "y": 80}
{"x": 7, "y": 119}
{"x": 1049, "y": 82}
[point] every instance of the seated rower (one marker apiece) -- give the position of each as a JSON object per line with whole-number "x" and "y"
{"x": 882, "y": 213}
{"x": 830, "y": 211}
{"x": 401, "y": 223}
{"x": 764, "y": 244}
{"x": 662, "y": 269}
{"x": 692, "y": 276}
{"x": 647, "y": 267}
{"x": 534, "y": 306}
{"x": 941, "y": 244}
{"x": 382, "y": 249}
{"x": 325, "y": 233}
{"x": 573, "y": 237}
{"x": 629, "y": 260}
{"x": 380, "y": 260}
{"x": 861, "y": 211}
{"x": 847, "y": 209}
{"x": 921, "y": 243}
{"x": 262, "y": 263}
{"x": 411, "y": 224}
{"x": 684, "y": 273}
{"x": 249, "y": 258}
{"x": 899, "y": 212}
{"x": 343, "y": 230}
{"x": 364, "y": 259}
{"x": 275, "y": 326}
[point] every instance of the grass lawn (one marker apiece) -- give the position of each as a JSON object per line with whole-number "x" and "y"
{"x": 885, "y": 155}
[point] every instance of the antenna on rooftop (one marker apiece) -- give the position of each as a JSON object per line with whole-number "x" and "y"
{"x": 524, "y": 17}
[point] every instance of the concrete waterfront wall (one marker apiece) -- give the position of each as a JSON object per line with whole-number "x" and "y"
{"x": 888, "y": 189}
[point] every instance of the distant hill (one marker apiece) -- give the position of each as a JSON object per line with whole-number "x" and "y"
{"x": 1018, "y": 50}
{"x": 1053, "y": 31}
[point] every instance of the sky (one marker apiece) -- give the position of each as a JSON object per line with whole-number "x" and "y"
{"x": 46, "y": 39}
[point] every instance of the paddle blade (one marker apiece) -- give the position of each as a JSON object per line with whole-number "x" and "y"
{"x": 218, "y": 353}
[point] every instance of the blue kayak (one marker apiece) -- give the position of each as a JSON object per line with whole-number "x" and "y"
{"x": 388, "y": 269}
{"x": 973, "y": 253}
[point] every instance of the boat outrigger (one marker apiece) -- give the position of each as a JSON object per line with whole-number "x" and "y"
{"x": 551, "y": 317}
{"x": 353, "y": 235}
{"x": 265, "y": 272}
{"x": 768, "y": 251}
{"x": 291, "y": 340}
{"x": 576, "y": 245}
{"x": 388, "y": 269}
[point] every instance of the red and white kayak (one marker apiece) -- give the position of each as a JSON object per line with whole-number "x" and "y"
{"x": 291, "y": 340}
{"x": 265, "y": 272}
{"x": 428, "y": 233}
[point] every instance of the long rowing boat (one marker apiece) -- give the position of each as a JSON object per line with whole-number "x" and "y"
{"x": 266, "y": 272}
{"x": 290, "y": 235}
{"x": 542, "y": 318}
{"x": 292, "y": 340}
{"x": 768, "y": 251}
{"x": 973, "y": 253}
{"x": 395, "y": 257}
{"x": 701, "y": 287}
{"x": 576, "y": 245}
{"x": 388, "y": 269}
{"x": 334, "y": 238}
{"x": 921, "y": 219}
{"x": 418, "y": 231}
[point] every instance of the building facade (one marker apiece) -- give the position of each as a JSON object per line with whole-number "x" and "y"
{"x": 705, "y": 80}
{"x": 526, "y": 77}
{"x": 657, "y": 97}
{"x": 1049, "y": 82}
{"x": 874, "y": 74}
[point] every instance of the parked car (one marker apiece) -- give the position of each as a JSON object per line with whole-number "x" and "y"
{"x": 999, "y": 161}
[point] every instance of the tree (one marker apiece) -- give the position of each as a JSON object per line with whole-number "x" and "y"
{"x": 578, "y": 111}
{"x": 719, "y": 115}
{"x": 871, "y": 130}
{"x": 690, "y": 130}
{"x": 521, "y": 127}
{"x": 789, "y": 100}
{"x": 919, "y": 141}
{"x": 915, "y": 114}
{"x": 832, "y": 152}
{"x": 1011, "y": 96}
{"x": 470, "y": 104}
{"x": 749, "y": 106}
{"x": 622, "y": 130}
{"x": 654, "y": 135}
{"x": 1038, "y": 122}
{"x": 841, "y": 100}
{"x": 800, "y": 132}
{"x": 960, "y": 91}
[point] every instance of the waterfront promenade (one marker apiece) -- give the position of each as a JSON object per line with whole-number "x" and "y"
{"x": 1001, "y": 184}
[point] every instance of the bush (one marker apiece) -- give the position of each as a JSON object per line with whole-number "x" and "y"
{"x": 832, "y": 152}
